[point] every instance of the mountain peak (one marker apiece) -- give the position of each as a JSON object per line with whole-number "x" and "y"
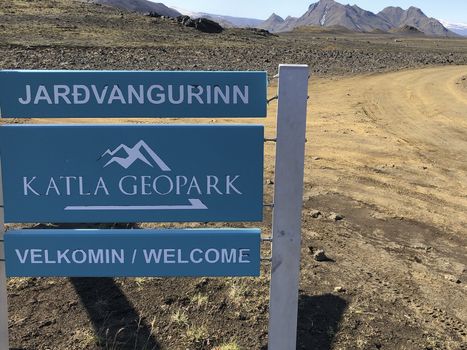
{"x": 415, "y": 11}
{"x": 275, "y": 17}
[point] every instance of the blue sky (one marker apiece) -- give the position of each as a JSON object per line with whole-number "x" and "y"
{"x": 451, "y": 10}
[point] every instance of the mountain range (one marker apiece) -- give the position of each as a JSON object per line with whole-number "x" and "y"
{"x": 324, "y": 13}
{"x": 329, "y": 13}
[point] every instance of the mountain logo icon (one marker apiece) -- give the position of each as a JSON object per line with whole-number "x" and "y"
{"x": 126, "y": 156}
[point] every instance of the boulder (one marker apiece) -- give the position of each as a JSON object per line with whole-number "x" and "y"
{"x": 207, "y": 26}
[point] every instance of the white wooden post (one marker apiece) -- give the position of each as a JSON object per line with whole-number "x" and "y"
{"x": 288, "y": 199}
{"x": 3, "y": 283}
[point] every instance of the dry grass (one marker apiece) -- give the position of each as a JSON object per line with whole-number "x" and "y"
{"x": 228, "y": 346}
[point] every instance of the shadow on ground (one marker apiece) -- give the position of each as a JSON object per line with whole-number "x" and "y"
{"x": 318, "y": 320}
{"x": 116, "y": 323}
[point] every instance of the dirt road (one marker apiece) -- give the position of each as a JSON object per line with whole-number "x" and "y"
{"x": 397, "y": 141}
{"x": 389, "y": 152}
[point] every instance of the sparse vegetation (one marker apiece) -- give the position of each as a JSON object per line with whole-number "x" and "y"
{"x": 179, "y": 317}
{"x": 197, "y": 334}
{"x": 228, "y": 346}
{"x": 200, "y": 300}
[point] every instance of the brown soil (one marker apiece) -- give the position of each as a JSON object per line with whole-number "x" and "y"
{"x": 387, "y": 151}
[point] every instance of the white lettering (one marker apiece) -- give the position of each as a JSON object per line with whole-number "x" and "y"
{"x": 116, "y": 95}
{"x": 197, "y": 95}
{"x": 120, "y": 256}
{"x": 238, "y": 93}
{"x": 139, "y": 95}
{"x": 180, "y": 182}
{"x": 211, "y": 185}
{"x": 63, "y": 256}
{"x": 229, "y": 185}
{"x": 74, "y": 257}
{"x": 47, "y": 260}
{"x": 99, "y": 98}
{"x": 180, "y": 95}
{"x": 27, "y": 186}
{"x": 180, "y": 258}
{"x": 22, "y": 258}
{"x": 80, "y": 94}
{"x": 169, "y": 181}
{"x": 169, "y": 256}
{"x": 96, "y": 256}
{"x": 194, "y": 184}
{"x": 27, "y": 100}
{"x": 224, "y": 95}
{"x": 61, "y": 91}
{"x": 192, "y": 256}
{"x": 42, "y": 95}
{"x": 229, "y": 257}
{"x": 244, "y": 256}
{"x": 144, "y": 185}
{"x": 152, "y": 255}
{"x": 81, "y": 188}
{"x": 68, "y": 183}
{"x": 216, "y": 256}
{"x": 101, "y": 185}
{"x": 36, "y": 256}
{"x": 160, "y": 96}
{"x": 120, "y": 186}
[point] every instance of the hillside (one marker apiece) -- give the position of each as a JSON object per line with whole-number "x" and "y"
{"x": 142, "y": 6}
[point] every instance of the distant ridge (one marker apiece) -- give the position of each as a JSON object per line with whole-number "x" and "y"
{"x": 225, "y": 21}
{"x": 330, "y": 13}
{"x": 142, "y": 6}
{"x": 458, "y": 28}
{"x": 414, "y": 17}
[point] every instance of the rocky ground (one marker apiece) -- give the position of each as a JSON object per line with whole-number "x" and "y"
{"x": 69, "y": 34}
{"x": 385, "y": 191}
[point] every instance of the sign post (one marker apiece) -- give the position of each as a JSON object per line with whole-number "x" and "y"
{"x": 3, "y": 283}
{"x": 163, "y": 173}
{"x": 288, "y": 199}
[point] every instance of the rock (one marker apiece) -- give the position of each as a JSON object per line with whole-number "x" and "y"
{"x": 153, "y": 14}
{"x": 422, "y": 246}
{"x": 207, "y": 26}
{"x": 316, "y": 158}
{"x": 320, "y": 255}
{"x": 202, "y": 24}
{"x": 339, "y": 290}
{"x": 452, "y": 278}
{"x": 315, "y": 214}
{"x": 336, "y": 216}
{"x": 186, "y": 21}
{"x": 313, "y": 235}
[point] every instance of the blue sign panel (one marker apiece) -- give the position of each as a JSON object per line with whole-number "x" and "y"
{"x": 132, "y": 173}
{"x": 132, "y": 253}
{"x": 92, "y": 94}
